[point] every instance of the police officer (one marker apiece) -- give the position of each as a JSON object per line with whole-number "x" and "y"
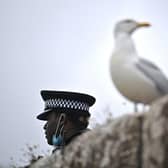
{"x": 66, "y": 115}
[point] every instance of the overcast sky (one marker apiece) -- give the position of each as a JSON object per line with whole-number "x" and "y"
{"x": 65, "y": 45}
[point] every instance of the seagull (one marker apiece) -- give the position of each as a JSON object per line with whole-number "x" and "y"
{"x": 136, "y": 78}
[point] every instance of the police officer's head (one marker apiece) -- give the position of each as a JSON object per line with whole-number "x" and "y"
{"x": 65, "y": 113}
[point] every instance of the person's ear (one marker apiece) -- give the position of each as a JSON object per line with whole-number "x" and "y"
{"x": 66, "y": 121}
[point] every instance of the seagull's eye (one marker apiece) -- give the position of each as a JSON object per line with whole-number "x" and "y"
{"x": 128, "y": 21}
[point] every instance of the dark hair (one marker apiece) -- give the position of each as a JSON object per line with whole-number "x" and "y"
{"x": 80, "y": 119}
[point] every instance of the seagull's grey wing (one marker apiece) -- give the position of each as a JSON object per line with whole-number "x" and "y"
{"x": 148, "y": 63}
{"x": 151, "y": 71}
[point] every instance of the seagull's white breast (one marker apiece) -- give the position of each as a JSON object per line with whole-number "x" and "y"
{"x": 131, "y": 82}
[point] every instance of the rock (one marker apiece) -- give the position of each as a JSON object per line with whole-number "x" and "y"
{"x": 155, "y": 135}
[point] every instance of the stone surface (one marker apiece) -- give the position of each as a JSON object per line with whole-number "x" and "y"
{"x": 155, "y": 135}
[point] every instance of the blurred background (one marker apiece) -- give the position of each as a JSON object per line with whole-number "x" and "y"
{"x": 66, "y": 45}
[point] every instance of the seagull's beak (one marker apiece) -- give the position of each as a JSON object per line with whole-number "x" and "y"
{"x": 143, "y": 24}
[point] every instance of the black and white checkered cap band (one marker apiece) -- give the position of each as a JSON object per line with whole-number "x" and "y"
{"x": 64, "y": 103}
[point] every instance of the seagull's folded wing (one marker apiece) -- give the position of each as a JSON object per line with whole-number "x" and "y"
{"x": 152, "y": 72}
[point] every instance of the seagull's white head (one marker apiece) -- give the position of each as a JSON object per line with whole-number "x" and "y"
{"x": 128, "y": 26}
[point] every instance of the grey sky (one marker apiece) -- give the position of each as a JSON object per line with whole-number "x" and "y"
{"x": 65, "y": 45}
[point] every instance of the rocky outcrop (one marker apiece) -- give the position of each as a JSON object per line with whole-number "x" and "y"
{"x": 155, "y": 136}
{"x": 132, "y": 141}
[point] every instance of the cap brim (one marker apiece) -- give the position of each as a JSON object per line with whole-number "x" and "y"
{"x": 43, "y": 116}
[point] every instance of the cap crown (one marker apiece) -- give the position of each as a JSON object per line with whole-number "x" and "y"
{"x": 68, "y": 102}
